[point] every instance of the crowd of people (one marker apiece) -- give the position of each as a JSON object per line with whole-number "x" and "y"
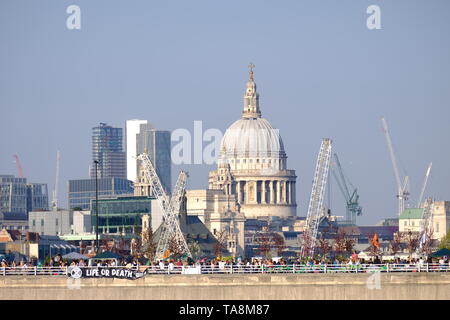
{"x": 218, "y": 263}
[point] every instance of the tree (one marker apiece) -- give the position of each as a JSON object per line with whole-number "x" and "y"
{"x": 395, "y": 244}
{"x": 278, "y": 243}
{"x": 306, "y": 243}
{"x": 374, "y": 249}
{"x": 349, "y": 244}
{"x": 195, "y": 249}
{"x": 220, "y": 245}
{"x": 135, "y": 247}
{"x": 412, "y": 242}
{"x": 264, "y": 241}
{"x": 426, "y": 242}
{"x": 148, "y": 244}
{"x": 324, "y": 246}
{"x": 340, "y": 242}
{"x": 175, "y": 248}
{"x": 445, "y": 242}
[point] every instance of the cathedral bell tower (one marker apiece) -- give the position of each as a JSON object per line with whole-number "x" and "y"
{"x": 251, "y": 98}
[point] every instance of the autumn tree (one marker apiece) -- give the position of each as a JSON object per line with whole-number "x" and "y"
{"x": 264, "y": 244}
{"x": 135, "y": 247}
{"x": 395, "y": 244}
{"x": 148, "y": 244}
{"x": 175, "y": 248}
{"x": 340, "y": 242}
{"x": 324, "y": 246}
{"x": 426, "y": 242}
{"x": 374, "y": 249}
{"x": 278, "y": 243}
{"x": 412, "y": 242}
{"x": 306, "y": 243}
{"x": 221, "y": 244}
{"x": 349, "y": 244}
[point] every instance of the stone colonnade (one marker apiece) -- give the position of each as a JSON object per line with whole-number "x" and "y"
{"x": 265, "y": 191}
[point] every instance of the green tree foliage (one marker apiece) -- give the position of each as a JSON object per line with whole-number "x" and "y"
{"x": 195, "y": 249}
{"x": 445, "y": 242}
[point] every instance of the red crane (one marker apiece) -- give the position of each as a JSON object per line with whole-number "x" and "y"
{"x": 18, "y": 165}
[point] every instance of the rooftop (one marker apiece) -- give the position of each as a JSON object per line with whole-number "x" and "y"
{"x": 412, "y": 213}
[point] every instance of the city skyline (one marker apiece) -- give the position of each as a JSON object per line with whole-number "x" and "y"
{"x": 313, "y": 80}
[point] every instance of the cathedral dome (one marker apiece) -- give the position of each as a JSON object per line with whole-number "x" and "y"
{"x": 252, "y": 138}
{"x": 251, "y": 143}
{"x": 252, "y": 165}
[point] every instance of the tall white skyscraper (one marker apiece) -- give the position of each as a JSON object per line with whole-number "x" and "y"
{"x": 132, "y": 128}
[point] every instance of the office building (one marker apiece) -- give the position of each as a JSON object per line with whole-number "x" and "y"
{"x": 37, "y": 197}
{"x": 82, "y": 222}
{"x": 157, "y": 144}
{"x": 50, "y": 223}
{"x": 82, "y": 191}
{"x": 132, "y": 128}
{"x": 123, "y": 215}
{"x": 107, "y": 149}
{"x": 13, "y": 194}
{"x": 13, "y": 221}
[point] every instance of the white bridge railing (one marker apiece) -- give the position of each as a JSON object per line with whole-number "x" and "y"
{"x": 242, "y": 269}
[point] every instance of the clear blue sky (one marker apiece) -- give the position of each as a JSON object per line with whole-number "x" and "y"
{"x": 319, "y": 70}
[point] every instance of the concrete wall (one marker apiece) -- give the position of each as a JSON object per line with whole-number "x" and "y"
{"x": 50, "y": 223}
{"x": 218, "y": 287}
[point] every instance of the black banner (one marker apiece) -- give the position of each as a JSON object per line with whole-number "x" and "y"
{"x": 99, "y": 272}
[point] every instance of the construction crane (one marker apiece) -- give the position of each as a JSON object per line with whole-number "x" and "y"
{"x": 403, "y": 188}
{"x": 353, "y": 208}
{"x": 427, "y": 224}
{"x": 315, "y": 210}
{"x": 425, "y": 181}
{"x": 18, "y": 165}
{"x": 170, "y": 208}
{"x": 55, "y": 190}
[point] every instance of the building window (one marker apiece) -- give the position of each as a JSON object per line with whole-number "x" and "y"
{"x": 42, "y": 222}
{"x": 437, "y": 227}
{"x": 56, "y": 221}
{"x": 34, "y": 223}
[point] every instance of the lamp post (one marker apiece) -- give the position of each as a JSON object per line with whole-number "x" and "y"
{"x": 96, "y": 206}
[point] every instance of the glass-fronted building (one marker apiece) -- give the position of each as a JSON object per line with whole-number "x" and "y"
{"x": 107, "y": 149}
{"x": 120, "y": 215}
{"x": 13, "y": 194}
{"x": 82, "y": 191}
{"x": 157, "y": 143}
{"x": 132, "y": 128}
{"x": 37, "y": 197}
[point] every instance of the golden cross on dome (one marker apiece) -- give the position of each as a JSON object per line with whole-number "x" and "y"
{"x": 250, "y": 67}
